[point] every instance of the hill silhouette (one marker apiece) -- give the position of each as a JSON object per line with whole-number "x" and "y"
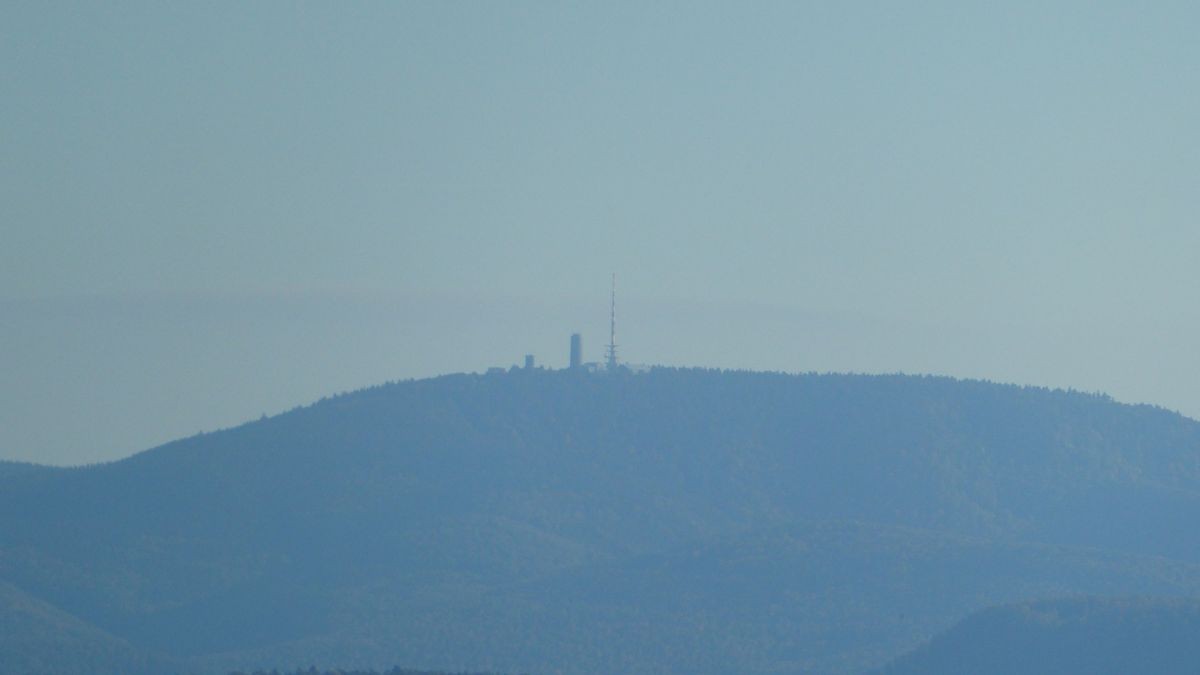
{"x": 36, "y": 638}
{"x": 1080, "y": 636}
{"x": 670, "y": 521}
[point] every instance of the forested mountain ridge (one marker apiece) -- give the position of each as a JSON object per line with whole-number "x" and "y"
{"x": 669, "y": 521}
{"x": 22, "y": 469}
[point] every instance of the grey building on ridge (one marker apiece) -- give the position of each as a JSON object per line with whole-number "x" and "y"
{"x": 576, "y": 351}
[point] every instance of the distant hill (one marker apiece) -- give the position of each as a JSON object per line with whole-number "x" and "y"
{"x": 37, "y": 639}
{"x": 683, "y": 521}
{"x": 1066, "y": 637}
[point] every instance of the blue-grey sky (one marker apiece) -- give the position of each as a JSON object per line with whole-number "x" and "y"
{"x": 213, "y": 211}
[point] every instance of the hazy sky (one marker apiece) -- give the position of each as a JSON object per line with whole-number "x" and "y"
{"x": 212, "y": 211}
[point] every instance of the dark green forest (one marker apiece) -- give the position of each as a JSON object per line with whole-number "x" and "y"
{"x": 673, "y": 521}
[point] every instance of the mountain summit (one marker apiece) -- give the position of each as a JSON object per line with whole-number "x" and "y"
{"x": 686, "y": 521}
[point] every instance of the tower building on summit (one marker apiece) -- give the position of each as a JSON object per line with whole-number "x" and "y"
{"x": 576, "y": 351}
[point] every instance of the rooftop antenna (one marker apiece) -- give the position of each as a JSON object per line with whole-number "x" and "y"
{"x": 611, "y": 355}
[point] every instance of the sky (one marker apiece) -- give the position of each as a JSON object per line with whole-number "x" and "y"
{"x": 215, "y": 211}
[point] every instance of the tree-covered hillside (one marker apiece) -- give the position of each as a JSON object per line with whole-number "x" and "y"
{"x": 10, "y": 469}
{"x": 671, "y": 521}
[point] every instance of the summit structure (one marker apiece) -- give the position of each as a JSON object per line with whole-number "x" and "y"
{"x": 610, "y": 356}
{"x": 576, "y": 351}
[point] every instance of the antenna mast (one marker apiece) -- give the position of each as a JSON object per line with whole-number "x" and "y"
{"x": 612, "y": 327}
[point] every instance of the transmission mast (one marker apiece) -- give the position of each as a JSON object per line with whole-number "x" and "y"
{"x": 611, "y": 354}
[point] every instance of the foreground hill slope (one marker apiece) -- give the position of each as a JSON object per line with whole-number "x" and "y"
{"x": 676, "y": 520}
{"x": 1084, "y": 636}
{"x": 37, "y": 639}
